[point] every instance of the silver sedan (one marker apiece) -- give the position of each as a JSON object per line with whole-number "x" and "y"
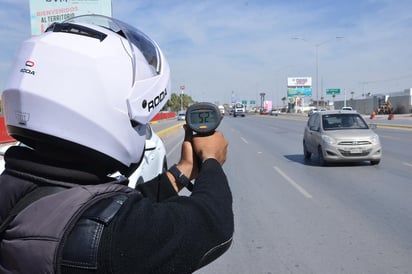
{"x": 340, "y": 136}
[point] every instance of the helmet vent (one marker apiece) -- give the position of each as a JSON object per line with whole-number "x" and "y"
{"x": 77, "y": 29}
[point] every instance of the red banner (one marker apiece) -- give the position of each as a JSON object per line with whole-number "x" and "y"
{"x": 164, "y": 115}
{"x": 4, "y": 136}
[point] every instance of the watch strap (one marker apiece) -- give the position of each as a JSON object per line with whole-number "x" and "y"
{"x": 180, "y": 177}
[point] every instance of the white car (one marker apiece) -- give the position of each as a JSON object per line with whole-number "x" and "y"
{"x": 153, "y": 163}
{"x": 222, "y": 109}
{"x": 275, "y": 112}
{"x": 181, "y": 115}
{"x": 239, "y": 110}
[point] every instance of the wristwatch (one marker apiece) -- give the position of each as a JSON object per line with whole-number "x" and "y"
{"x": 180, "y": 177}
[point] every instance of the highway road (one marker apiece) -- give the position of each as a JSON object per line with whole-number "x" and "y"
{"x": 293, "y": 216}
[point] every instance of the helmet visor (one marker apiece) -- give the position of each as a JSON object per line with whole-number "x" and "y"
{"x": 135, "y": 38}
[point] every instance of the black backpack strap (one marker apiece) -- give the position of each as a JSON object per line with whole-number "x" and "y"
{"x": 81, "y": 248}
{"x": 27, "y": 199}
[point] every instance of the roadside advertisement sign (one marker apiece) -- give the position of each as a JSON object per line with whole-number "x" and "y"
{"x": 298, "y": 91}
{"x": 299, "y": 86}
{"x": 43, "y": 13}
{"x": 299, "y": 81}
{"x": 267, "y": 105}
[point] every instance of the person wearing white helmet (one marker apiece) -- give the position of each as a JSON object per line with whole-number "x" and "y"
{"x": 79, "y": 97}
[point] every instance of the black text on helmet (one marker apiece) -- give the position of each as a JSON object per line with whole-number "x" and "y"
{"x": 29, "y": 64}
{"x": 155, "y": 101}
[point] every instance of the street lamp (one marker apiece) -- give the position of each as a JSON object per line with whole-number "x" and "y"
{"x": 317, "y": 61}
{"x": 182, "y": 88}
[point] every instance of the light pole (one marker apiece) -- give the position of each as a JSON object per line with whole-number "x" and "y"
{"x": 317, "y": 61}
{"x": 182, "y": 88}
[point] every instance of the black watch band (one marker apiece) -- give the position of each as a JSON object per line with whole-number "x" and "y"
{"x": 180, "y": 177}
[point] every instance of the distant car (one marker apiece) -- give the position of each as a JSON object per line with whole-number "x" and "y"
{"x": 313, "y": 110}
{"x": 264, "y": 112}
{"x": 347, "y": 108}
{"x": 222, "y": 109}
{"x": 275, "y": 112}
{"x": 181, "y": 116}
{"x": 253, "y": 110}
{"x": 153, "y": 162}
{"x": 340, "y": 136}
{"x": 239, "y": 110}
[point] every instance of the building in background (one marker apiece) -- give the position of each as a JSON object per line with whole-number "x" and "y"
{"x": 394, "y": 102}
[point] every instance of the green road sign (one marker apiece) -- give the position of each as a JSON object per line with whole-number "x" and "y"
{"x": 333, "y": 91}
{"x": 244, "y": 102}
{"x": 253, "y": 102}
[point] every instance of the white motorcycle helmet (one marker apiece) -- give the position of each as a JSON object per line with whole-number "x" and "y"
{"x": 91, "y": 84}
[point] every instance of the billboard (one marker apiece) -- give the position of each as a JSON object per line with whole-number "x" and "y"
{"x": 43, "y": 13}
{"x": 299, "y": 81}
{"x": 267, "y": 105}
{"x": 299, "y": 86}
{"x": 295, "y": 91}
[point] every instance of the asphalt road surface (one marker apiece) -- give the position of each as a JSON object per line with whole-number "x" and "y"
{"x": 293, "y": 216}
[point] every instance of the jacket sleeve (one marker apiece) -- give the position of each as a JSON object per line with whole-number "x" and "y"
{"x": 177, "y": 235}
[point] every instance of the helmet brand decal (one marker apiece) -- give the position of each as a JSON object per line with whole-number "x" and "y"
{"x": 22, "y": 117}
{"x": 155, "y": 101}
{"x": 29, "y": 64}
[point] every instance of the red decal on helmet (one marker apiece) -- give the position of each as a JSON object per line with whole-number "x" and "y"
{"x": 29, "y": 63}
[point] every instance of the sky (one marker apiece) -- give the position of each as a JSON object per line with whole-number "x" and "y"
{"x": 235, "y": 50}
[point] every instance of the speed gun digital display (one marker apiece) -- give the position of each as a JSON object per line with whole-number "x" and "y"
{"x": 203, "y": 118}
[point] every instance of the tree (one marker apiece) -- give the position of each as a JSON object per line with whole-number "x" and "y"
{"x": 174, "y": 102}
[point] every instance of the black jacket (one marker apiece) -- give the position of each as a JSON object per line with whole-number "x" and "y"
{"x": 155, "y": 231}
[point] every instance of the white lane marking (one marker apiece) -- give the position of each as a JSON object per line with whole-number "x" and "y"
{"x": 244, "y": 140}
{"x": 407, "y": 164}
{"x": 293, "y": 183}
